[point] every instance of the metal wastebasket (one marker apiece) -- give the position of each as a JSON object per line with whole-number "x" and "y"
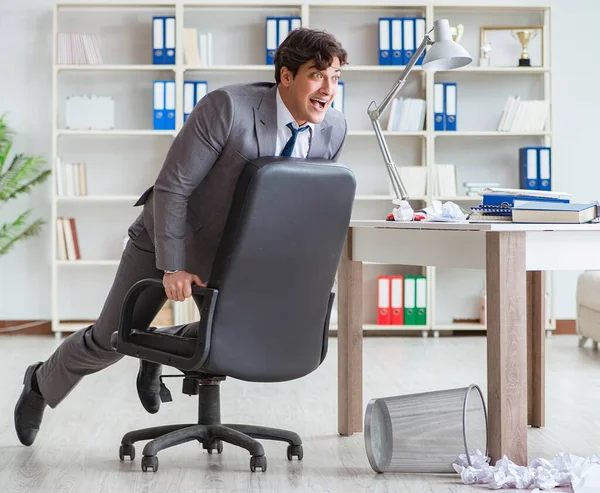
{"x": 425, "y": 433}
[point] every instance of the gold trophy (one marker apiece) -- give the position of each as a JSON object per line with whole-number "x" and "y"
{"x": 457, "y": 32}
{"x": 524, "y": 37}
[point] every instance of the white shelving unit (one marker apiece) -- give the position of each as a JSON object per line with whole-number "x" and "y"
{"x": 122, "y": 162}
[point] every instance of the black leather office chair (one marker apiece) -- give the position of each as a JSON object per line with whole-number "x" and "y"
{"x": 264, "y": 315}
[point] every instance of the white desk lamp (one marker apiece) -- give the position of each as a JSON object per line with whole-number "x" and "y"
{"x": 444, "y": 54}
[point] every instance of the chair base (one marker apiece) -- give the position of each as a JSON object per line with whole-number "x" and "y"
{"x": 210, "y": 432}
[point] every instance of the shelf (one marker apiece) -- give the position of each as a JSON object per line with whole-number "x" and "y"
{"x": 116, "y": 132}
{"x": 229, "y": 68}
{"x": 490, "y": 133}
{"x": 459, "y": 327}
{"x": 87, "y": 263}
{"x": 395, "y": 327}
{"x": 498, "y": 70}
{"x": 384, "y": 197}
{"x": 109, "y": 68}
{"x": 371, "y": 133}
{"x": 115, "y": 3}
{"x": 97, "y": 198}
{"x": 378, "y": 68}
{"x": 458, "y": 198}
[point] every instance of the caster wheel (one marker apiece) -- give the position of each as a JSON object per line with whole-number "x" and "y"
{"x": 219, "y": 448}
{"x": 258, "y": 461}
{"x": 150, "y": 461}
{"x": 126, "y": 451}
{"x": 295, "y": 451}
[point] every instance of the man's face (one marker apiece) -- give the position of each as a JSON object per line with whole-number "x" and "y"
{"x": 311, "y": 92}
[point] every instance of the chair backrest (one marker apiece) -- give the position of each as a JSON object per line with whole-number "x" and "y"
{"x": 276, "y": 267}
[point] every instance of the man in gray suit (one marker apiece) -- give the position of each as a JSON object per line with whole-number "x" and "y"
{"x": 176, "y": 235}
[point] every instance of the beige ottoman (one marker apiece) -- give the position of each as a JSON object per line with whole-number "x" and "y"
{"x": 588, "y": 307}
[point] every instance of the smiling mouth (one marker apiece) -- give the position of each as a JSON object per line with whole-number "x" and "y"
{"x": 318, "y": 104}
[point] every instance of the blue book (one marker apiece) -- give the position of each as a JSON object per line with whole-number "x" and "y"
{"x": 551, "y": 212}
{"x": 385, "y": 42}
{"x": 509, "y": 200}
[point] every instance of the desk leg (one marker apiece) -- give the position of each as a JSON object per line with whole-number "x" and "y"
{"x": 507, "y": 346}
{"x": 350, "y": 344}
{"x": 536, "y": 335}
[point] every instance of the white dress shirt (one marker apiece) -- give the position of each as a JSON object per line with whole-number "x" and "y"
{"x": 283, "y": 132}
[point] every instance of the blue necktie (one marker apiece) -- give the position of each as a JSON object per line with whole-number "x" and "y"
{"x": 289, "y": 146}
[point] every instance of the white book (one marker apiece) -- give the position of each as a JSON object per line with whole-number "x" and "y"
{"x": 191, "y": 53}
{"x": 61, "y": 247}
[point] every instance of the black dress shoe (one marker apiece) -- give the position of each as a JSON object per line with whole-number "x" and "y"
{"x": 29, "y": 409}
{"x": 148, "y": 385}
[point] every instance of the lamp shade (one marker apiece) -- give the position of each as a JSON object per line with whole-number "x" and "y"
{"x": 445, "y": 54}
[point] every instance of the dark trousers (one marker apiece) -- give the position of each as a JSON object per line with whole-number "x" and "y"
{"x": 88, "y": 350}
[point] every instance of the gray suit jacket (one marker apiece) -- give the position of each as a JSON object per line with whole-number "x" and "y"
{"x": 186, "y": 209}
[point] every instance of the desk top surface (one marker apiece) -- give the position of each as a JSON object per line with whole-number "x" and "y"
{"x": 499, "y": 226}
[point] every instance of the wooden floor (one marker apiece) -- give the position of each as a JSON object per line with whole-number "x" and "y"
{"x": 77, "y": 448}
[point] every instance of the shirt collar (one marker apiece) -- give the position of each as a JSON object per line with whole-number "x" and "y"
{"x": 284, "y": 116}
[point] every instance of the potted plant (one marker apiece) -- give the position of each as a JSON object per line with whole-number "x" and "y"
{"x": 17, "y": 176}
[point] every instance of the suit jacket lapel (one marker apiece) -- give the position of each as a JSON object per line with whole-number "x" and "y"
{"x": 265, "y": 123}
{"x": 319, "y": 141}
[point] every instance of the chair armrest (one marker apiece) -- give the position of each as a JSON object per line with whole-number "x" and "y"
{"x": 205, "y": 299}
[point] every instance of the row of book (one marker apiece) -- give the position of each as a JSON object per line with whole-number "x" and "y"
{"x": 78, "y": 49}
{"x": 445, "y": 103}
{"x": 67, "y": 241}
{"x": 415, "y": 180}
{"x": 524, "y": 116}
{"x": 399, "y": 37}
{"x": 70, "y": 179}
{"x": 197, "y": 47}
{"x": 407, "y": 115}
{"x": 402, "y": 300}
{"x": 276, "y": 30}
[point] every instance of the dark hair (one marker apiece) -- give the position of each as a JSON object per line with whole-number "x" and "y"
{"x": 303, "y": 45}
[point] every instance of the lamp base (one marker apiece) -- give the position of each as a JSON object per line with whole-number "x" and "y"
{"x": 524, "y": 62}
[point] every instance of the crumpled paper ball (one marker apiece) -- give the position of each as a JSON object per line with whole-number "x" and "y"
{"x": 541, "y": 474}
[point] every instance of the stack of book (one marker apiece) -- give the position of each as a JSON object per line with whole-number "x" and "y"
{"x": 499, "y": 204}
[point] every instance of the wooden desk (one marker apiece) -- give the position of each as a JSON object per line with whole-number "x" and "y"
{"x": 514, "y": 257}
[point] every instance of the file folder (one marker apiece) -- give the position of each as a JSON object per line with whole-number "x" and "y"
{"x": 295, "y": 22}
{"x": 396, "y": 36}
{"x": 383, "y": 300}
{"x": 159, "y": 105}
{"x": 384, "y": 42}
{"x": 409, "y": 300}
{"x": 338, "y": 102}
{"x": 158, "y": 40}
{"x": 201, "y": 91}
{"x": 528, "y": 168}
{"x": 283, "y": 29}
{"x": 408, "y": 40}
{"x": 544, "y": 168}
{"x": 438, "y": 106}
{"x": 419, "y": 36}
{"x": 421, "y": 300}
{"x": 169, "y": 51}
{"x": 170, "y": 105}
{"x": 397, "y": 299}
{"x": 450, "y": 103}
{"x": 270, "y": 39}
{"x": 189, "y": 99}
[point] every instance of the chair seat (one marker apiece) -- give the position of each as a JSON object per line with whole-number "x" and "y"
{"x": 588, "y": 290}
{"x": 163, "y": 340}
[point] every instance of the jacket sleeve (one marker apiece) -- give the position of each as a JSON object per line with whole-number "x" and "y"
{"x": 191, "y": 156}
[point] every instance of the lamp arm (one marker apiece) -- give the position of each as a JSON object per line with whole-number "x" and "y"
{"x": 375, "y": 112}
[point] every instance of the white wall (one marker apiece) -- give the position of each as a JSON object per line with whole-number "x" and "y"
{"x": 26, "y": 90}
